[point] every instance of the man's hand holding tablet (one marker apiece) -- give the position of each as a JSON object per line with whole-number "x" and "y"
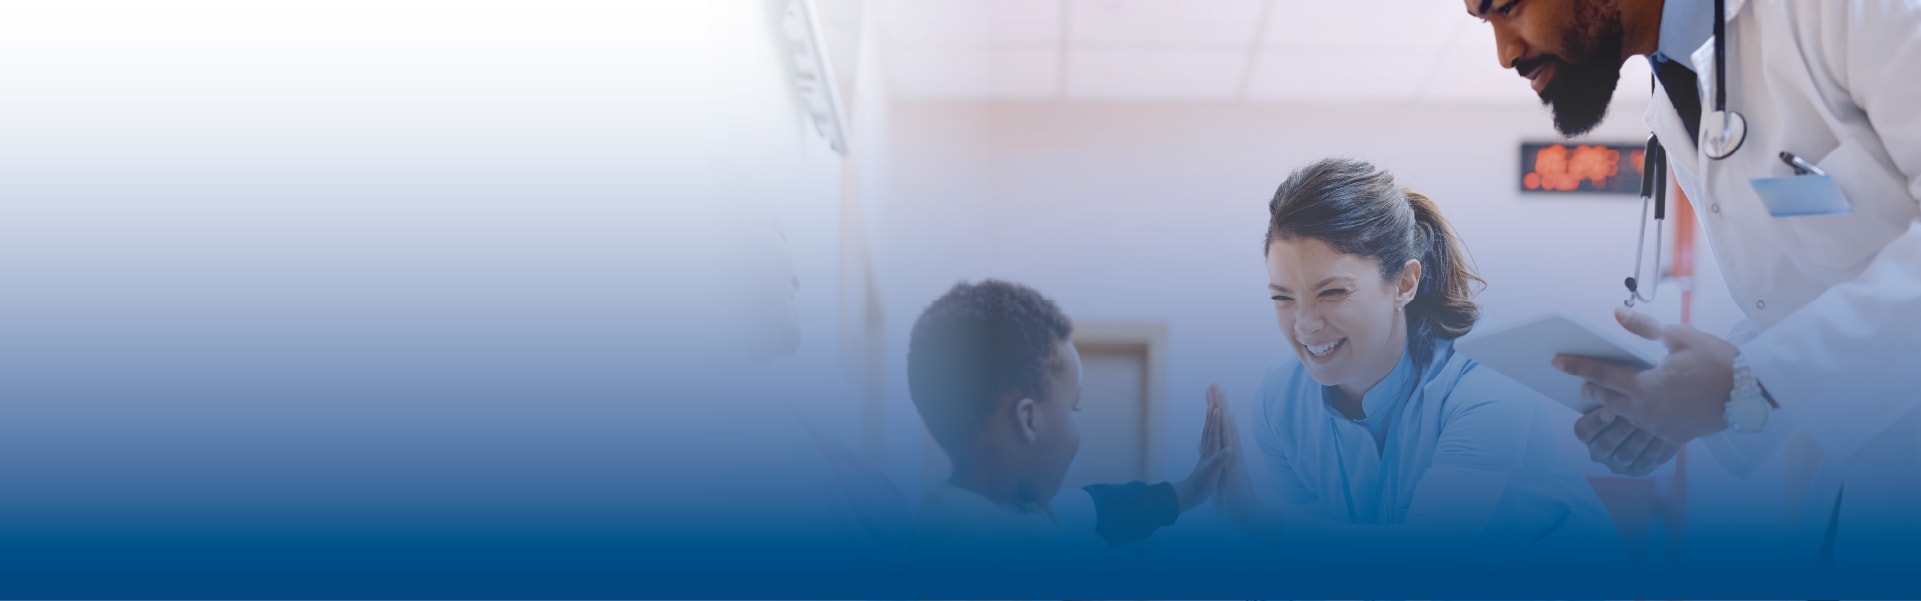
{"x": 1682, "y": 398}
{"x": 1523, "y": 352}
{"x": 1638, "y": 412}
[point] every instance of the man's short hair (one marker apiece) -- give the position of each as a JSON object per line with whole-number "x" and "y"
{"x": 975, "y": 344}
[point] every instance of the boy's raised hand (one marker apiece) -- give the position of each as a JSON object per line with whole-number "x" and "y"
{"x": 1235, "y": 498}
{"x": 1215, "y": 454}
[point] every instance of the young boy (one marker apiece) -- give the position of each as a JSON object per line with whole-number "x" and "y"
{"x": 996, "y": 379}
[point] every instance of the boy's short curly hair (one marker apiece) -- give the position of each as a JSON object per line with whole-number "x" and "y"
{"x": 975, "y": 344}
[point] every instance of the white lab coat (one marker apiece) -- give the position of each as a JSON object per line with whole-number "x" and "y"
{"x": 1833, "y": 302}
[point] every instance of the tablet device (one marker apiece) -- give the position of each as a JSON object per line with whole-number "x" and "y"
{"x": 1525, "y": 352}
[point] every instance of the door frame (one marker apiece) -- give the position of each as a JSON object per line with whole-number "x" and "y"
{"x": 1151, "y": 339}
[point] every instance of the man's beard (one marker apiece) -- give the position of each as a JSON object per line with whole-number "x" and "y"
{"x": 1579, "y": 95}
{"x": 1583, "y": 85}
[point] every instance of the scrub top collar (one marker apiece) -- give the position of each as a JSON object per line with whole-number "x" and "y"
{"x": 1383, "y": 399}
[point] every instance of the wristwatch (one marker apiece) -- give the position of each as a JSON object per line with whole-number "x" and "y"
{"x": 1748, "y": 405}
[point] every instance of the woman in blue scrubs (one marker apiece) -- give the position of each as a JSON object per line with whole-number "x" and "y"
{"x": 1375, "y": 433}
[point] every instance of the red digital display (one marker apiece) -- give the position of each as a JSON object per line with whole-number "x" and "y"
{"x": 1604, "y": 168}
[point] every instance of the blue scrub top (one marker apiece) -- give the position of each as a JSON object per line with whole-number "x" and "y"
{"x": 1450, "y": 457}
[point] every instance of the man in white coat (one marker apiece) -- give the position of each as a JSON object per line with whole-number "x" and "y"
{"x": 1827, "y": 269}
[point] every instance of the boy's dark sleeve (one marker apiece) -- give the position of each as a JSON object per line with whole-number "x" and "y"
{"x": 1124, "y": 513}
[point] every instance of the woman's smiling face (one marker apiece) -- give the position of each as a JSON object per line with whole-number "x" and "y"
{"x": 1336, "y": 311}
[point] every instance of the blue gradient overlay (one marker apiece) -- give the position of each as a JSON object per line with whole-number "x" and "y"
{"x": 461, "y": 437}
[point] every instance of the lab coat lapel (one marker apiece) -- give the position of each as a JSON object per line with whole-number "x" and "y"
{"x": 1665, "y": 122}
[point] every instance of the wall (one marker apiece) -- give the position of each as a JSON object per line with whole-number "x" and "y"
{"x": 743, "y": 144}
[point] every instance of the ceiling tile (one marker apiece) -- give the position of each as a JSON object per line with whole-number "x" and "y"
{"x": 1210, "y": 22}
{"x": 1365, "y": 23}
{"x": 1353, "y": 51}
{"x": 973, "y": 22}
{"x": 949, "y": 73}
{"x": 1357, "y": 75}
{"x": 1160, "y": 74}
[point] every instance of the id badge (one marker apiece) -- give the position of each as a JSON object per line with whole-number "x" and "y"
{"x": 1801, "y": 195}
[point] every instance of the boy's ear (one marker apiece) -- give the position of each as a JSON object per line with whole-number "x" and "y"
{"x": 1026, "y": 419}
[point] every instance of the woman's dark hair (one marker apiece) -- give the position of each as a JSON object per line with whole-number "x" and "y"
{"x": 1357, "y": 209}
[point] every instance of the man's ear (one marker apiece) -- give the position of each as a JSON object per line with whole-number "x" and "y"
{"x": 1027, "y": 419}
{"x": 1409, "y": 284}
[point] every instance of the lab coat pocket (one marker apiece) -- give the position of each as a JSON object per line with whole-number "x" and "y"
{"x": 1844, "y": 243}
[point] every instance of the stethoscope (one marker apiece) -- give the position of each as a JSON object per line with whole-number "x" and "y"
{"x": 1729, "y": 130}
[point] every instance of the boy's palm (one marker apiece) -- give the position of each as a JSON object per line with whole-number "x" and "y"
{"x": 1216, "y": 454}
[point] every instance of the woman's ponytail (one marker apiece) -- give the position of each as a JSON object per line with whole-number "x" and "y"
{"x": 1443, "y": 306}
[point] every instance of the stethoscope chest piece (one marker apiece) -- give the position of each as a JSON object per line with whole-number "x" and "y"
{"x": 1723, "y": 132}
